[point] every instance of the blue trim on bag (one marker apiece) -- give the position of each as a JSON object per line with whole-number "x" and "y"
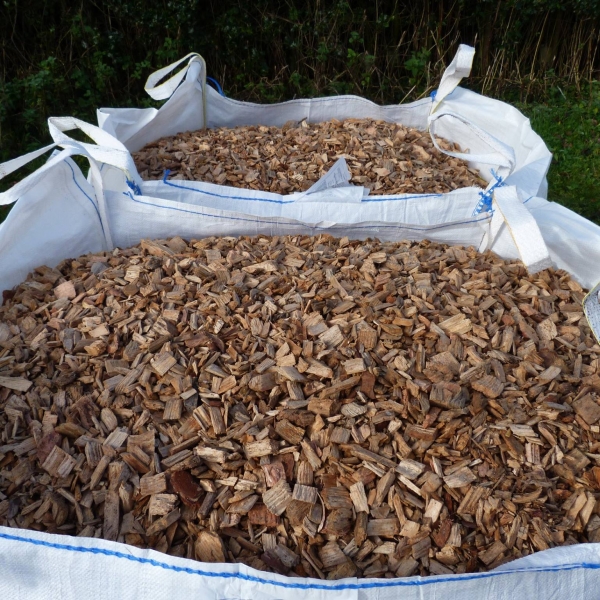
{"x": 302, "y": 586}
{"x": 485, "y": 202}
{"x": 88, "y": 197}
{"x": 224, "y": 196}
{"x": 217, "y": 85}
{"x": 259, "y": 220}
{"x": 370, "y": 198}
{"x": 132, "y": 185}
{"x": 395, "y": 198}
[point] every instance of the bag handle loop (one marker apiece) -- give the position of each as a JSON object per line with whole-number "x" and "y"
{"x": 16, "y": 163}
{"x": 459, "y": 67}
{"x": 510, "y": 211}
{"x": 70, "y": 148}
{"x": 108, "y": 150}
{"x": 165, "y": 90}
{"x": 194, "y": 70}
{"x": 502, "y": 156}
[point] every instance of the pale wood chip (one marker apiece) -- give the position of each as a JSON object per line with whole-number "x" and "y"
{"x": 464, "y": 476}
{"x": 278, "y": 497}
{"x": 309, "y": 406}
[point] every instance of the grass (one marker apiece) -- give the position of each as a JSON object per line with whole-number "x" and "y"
{"x": 571, "y": 130}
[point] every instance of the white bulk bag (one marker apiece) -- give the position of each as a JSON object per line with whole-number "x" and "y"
{"x": 500, "y": 140}
{"x": 515, "y": 226}
{"x": 501, "y": 143}
{"x": 40, "y": 566}
{"x": 129, "y": 209}
{"x": 61, "y": 214}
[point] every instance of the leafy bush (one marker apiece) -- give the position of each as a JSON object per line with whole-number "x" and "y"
{"x": 61, "y": 58}
{"x": 571, "y": 129}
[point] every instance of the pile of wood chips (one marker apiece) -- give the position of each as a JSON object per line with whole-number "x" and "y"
{"x": 311, "y": 406}
{"x": 387, "y": 158}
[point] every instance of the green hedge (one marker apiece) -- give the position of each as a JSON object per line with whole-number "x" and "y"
{"x": 63, "y": 58}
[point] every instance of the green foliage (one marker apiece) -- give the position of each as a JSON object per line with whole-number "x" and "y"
{"x": 418, "y": 64}
{"x": 571, "y": 130}
{"x": 62, "y": 58}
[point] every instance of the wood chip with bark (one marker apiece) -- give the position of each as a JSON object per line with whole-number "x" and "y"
{"x": 386, "y": 158}
{"x": 309, "y": 406}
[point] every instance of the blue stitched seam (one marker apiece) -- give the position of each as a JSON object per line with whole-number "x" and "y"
{"x": 229, "y": 197}
{"x": 88, "y": 197}
{"x": 485, "y": 202}
{"x": 259, "y": 220}
{"x": 133, "y": 186}
{"x": 400, "y": 198}
{"x": 304, "y": 586}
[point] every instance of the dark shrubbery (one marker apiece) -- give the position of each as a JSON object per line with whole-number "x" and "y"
{"x": 64, "y": 58}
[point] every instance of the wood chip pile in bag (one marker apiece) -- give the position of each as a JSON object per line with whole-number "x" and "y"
{"x": 387, "y": 158}
{"x": 310, "y": 406}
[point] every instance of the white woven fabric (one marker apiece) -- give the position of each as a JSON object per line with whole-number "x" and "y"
{"x": 39, "y": 566}
{"x": 522, "y": 227}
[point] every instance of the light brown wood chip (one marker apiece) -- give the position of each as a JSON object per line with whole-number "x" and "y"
{"x": 387, "y": 158}
{"x": 308, "y": 406}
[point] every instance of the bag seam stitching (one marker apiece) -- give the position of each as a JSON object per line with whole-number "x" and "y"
{"x": 253, "y": 578}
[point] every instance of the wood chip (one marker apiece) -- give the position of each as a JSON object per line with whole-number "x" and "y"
{"x": 305, "y": 493}
{"x": 59, "y": 463}
{"x": 411, "y": 469}
{"x": 492, "y": 553}
{"x": 359, "y": 497}
{"x": 261, "y": 448}
{"x": 65, "y": 290}
{"x": 588, "y": 409}
{"x": 489, "y": 385}
{"x": 460, "y": 478}
{"x": 278, "y": 497}
{"x": 355, "y": 365}
{"x": 210, "y": 548}
{"x": 387, "y": 158}
{"x": 153, "y": 484}
{"x": 162, "y": 363}
{"x": 383, "y": 527}
{"x": 309, "y": 406}
{"x": 15, "y": 383}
